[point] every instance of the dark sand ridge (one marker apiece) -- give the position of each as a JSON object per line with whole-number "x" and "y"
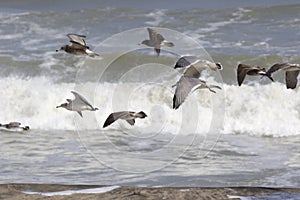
{"x": 15, "y": 192}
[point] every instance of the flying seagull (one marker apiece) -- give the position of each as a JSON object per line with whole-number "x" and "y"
{"x": 291, "y": 73}
{"x": 195, "y": 68}
{"x": 186, "y": 61}
{"x": 77, "y": 46}
{"x": 78, "y": 104}
{"x": 244, "y": 70}
{"x": 14, "y": 127}
{"x": 129, "y": 116}
{"x": 156, "y": 40}
{"x": 190, "y": 81}
{"x": 186, "y": 85}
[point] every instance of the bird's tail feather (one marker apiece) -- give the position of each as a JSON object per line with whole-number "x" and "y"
{"x": 167, "y": 43}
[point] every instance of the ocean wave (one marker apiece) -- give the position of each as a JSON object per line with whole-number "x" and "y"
{"x": 262, "y": 110}
{"x": 158, "y": 17}
{"x": 259, "y": 110}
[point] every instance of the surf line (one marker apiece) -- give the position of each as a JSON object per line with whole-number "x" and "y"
{"x": 70, "y": 192}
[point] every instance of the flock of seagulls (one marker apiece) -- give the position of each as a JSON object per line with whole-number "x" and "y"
{"x": 291, "y": 73}
{"x": 189, "y": 81}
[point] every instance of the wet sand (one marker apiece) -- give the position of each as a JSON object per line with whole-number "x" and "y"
{"x": 16, "y": 192}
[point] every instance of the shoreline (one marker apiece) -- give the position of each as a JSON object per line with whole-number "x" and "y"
{"x": 15, "y": 191}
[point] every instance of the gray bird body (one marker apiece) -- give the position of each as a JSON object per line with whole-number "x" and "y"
{"x": 77, "y": 46}
{"x": 128, "y": 116}
{"x": 291, "y": 73}
{"x": 13, "y": 127}
{"x": 196, "y": 68}
{"x": 244, "y": 70}
{"x": 78, "y": 104}
{"x": 186, "y": 85}
{"x": 156, "y": 40}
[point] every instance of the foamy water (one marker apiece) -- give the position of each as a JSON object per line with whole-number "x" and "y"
{"x": 261, "y": 110}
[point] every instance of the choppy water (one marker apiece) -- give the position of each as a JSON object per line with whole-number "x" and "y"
{"x": 245, "y": 135}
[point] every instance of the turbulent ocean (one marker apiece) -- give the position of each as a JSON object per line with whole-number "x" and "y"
{"x": 238, "y": 136}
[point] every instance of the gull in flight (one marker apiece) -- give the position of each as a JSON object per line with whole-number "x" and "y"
{"x": 187, "y": 61}
{"x": 291, "y": 73}
{"x": 194, "y": 66}
{"x": 189, "y": 81}
{"x": 77, "y": 46}
{"x": 156, "y": 40}
{"x": 78, "y": 104}
{"x": 244, "y": 70}
{"x": 128, "y": 116}
{"x": 14, "y": 127}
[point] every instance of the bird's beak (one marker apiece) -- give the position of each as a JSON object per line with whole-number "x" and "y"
{"x": 58, "y": 106}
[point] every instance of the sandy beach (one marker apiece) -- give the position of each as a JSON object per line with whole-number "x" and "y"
{"x": 17, "y": 191}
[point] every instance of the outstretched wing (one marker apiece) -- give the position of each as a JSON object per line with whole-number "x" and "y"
{"x": 185, "y": 61}
{"x": 241, "y": 73}
{"x": 80, "y": 99}
{"x": 291, "y": 79}
{"x": 155, "y": 36}
{"x": 74, "y": 38}
{"x": 80, "y": 113}
{"x": 184, "y": 86}
{"x": 195, "y": 69}
{"x": 157, "y": 51}
{"x": 76, "y": 45}
{"x": 276, "y": 67}
{"x": 115, "y": 116}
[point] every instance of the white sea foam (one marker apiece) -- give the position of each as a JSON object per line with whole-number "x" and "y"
{"x": 158, "y": 17}
{"x": 70, "y": 192}
{"x": 237, "y": 17}
{"x": 261, "y": 110}
{"x": 238, "y": 197}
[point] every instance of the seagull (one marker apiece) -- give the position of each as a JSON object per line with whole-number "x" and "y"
{"x": 78, "y": 104}
{"x": 195, "y": 69}
{"x": 186, "y": 85}
{"x": 129, "y": 116}
{"x": 14, "y": 127}
{"x": 77, "y": 46}
{"x": 190, "y": 81}
{"x": 187, "y": 61}
{"x": 194, "y": 66}
{"x": 244, "y": 70}
{"x": 156, "y": 41}
{"x": 291, "y": 73}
